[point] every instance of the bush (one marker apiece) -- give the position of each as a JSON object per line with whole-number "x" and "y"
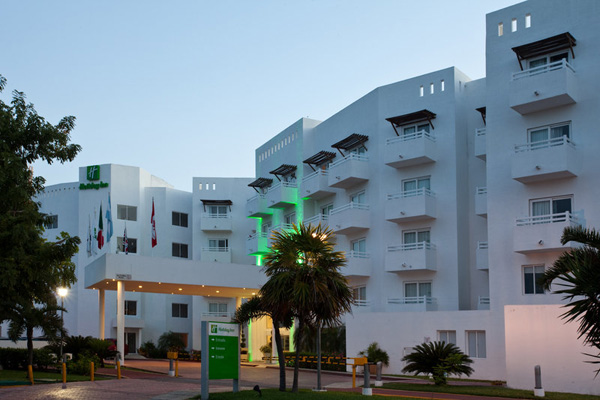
{"x": 149, "y": 349}
{"x": 170, "y": 341}
{"x": 439, "y": 359}
{"x": 18, "y": 359}
{"x": 81, "y": 366}
{"x": 44, "y": 358}
{"x": 375, "y": 354}
{"x": 329, "y": 362}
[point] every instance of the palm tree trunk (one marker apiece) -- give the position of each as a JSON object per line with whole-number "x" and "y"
{"x": 297, "y": 362}
{"x": 279, "y": 345}
{"x": 30, "y": 344}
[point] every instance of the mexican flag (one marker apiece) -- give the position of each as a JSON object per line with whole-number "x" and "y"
{"x": 100, "y": 227}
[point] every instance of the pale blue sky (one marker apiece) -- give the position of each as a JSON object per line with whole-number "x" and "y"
{"x": 192, "y": 88}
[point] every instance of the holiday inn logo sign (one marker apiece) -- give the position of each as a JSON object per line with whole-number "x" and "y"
{"x": 93, "y": 174}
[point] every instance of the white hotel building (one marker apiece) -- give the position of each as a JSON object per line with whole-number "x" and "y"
{"x": 449, "y": 196}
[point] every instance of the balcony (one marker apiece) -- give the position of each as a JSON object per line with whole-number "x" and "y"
{"x": 411, "y": 205}
{"x": 361, "y": 306}
{"x": 257, "y": 244}
{"x": 481, "y": 256}
{"x": 316, "y": 220}
{"x": 546, "y": 160}
{"x": 282, "y": 195}
{"x": 542, "y": 233}
{"x": 350, "y": 219}
{"x": 483, "y": 303}
{"x": 256, "y": 207}
{"x": 408, "y": 150}
{"x": 216, "y": 254}
{"x": 481, "y": 201}
{"x": 316, "y": 185}
{"x": 358, "y": 263}
{"x": 349, "y": 171}
{"x": 411, "y": 257}
{"x": 217, "y": 316}
{"x": 215, "y": 222}
{"x": 421, "y": 303}
{"x": 544, "y": 87}
{"x": 480, "y": 144}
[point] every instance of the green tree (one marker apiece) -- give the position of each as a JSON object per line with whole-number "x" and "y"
{"x": 27, "y": 317}
{"x": 576, "y": 274}
{"x": 303, "y": 271}
{"x": 256, "y": 308}
{"x": 171, "y": 341}
{"x": 31, "y": 267}
{"x": 375, "y": 354}
{"x": 438, "y": 359}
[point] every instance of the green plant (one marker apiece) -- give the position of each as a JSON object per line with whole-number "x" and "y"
{"x": 375, "y": 354}
{"x": 81, "y": 365}
{"x": 102, "y": 349}
{"x": 266, "y": 349}
{"x": 170, "y": 341}
{"x": 439, "y": 359}
{"x": 149, "y": 349}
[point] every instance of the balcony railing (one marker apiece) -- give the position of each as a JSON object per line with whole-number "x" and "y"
{"x": 480, "y": 131}
{"x": 256, "y": 235}
{"x": 412, "y": 246}
{"x": 315, "y": 220}
{"x": 411, "y": 193}
{"x": 314, "y": 175}
{"x": 348, "y": 158}
{"x": 350, "y": 206}
{"x": 482, "y": 245}
{"x": 544, "y": 144}
{"x": 412, "y": 300}
{"x": 358, "y": 254}
{"x": 548, "y": 219}
{"x": 216, "y": 249}
{"x": 362, "y": 303}
{"x": 279, "y": 185}
{"x": 479, "y": 190}
{"x": 553, "y": 66}
{"x": 411, "y": 136}
{"x": 217, "y": 314}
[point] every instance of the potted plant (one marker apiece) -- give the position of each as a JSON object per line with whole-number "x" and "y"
{"x": 266, "y": 350}
{"x": 375, "y": 354}
{"x": 243, "y": 348}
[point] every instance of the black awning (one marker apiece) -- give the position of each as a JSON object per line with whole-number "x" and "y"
{"x": 350, "y": 142}
{"x": 412, "y": 118}
{"x": 545, "y": 46}
{"x": 319, "y": 158}
{"x": 261, "y": 183}
{"x": 283, "y": 170}
{"x": 482, "y": 111}
{"x": 216, "y": 202}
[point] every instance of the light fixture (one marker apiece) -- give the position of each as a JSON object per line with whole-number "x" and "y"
{"x": 107, "y": 283}
{"x": 541, "y": 242}
{"x": 140, "y": 286}
{"x": 159, "y": 283}
{"x": 62, "y": 291}
{"x": 253, "y": 293}
{"x": 180, "y": 289}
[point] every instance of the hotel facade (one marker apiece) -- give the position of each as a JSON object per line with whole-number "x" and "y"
{"x": 448, "y": 195}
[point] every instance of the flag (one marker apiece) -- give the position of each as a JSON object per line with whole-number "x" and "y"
{"x": 89, "y": 238}
{"x": 100, "y": 228}
{"x": 109, "y": 222}
{"x": 125, "y": 242}
{"x": 153, "y": 223}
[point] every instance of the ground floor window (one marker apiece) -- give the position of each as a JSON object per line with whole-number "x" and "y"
{"x": 476, "y": 344}
{"x": 180, "y": 250}
{"x": 447, "y": 336}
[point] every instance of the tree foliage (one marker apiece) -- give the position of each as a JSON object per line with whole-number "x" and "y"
{"x": 438, "y": 359}
{"x": 576, "y": 275}
{"x": 171, "y": 341}
{"x": 303, "y": 272}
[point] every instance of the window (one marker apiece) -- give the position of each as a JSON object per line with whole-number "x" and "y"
{"x": 500, "y": 29}
{"x": 266, "y": 227}
{"x": 128, "y": 213}
{"x": 52, "y": 222}
{"x": 131, "y": 245}
{"x": 326, "y": 210}
{"x": 413, "y": 129}
{"x": 476, "y": 344}
{"x": 218, "y": 211}
{"x": 415, "y": 237}
{"x": 447, "y": 336}
{"x": 180, "y": 219}
{"x": 539, "y": 137}
{"x": 359, "y": 246}
{"x": 130, "y": 307}
{"x": 443, "y": 85}
{"x": 527, "y": 20}
{"x": 179, "y": 310}
{"x": 285, "y": 341}
{"x": 513, "y": 25}
{"x": 547, "y": 59}
{"x": 218, "y": 245}
{"x": 217, "y": 309}
{"x": 359, "y": 151}
{"x": 531, "y": 276}
{"x": 415, "y": 184}
{"x": 290, "y": 218}
{"x": 180, "y": 250}
{"x": 551, "y": 206}
{"x": 417, "y": 289}
{"x": 421, "y": 91}
{"x": 358, "y": 198}
{"x": 360, "y": 293}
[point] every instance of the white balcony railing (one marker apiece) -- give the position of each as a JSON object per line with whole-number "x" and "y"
{"x": 282, "y": 227}
{"x": 553, "y": 66}
{"x": 412, "y": 300}
{"x": 279, "y": 185}
{"x": 482, "y": 245}
{"x": 411, "y": 193}
{"x": 480, "y": 190}
{"x": 548, "y": 219}
{"x": 217, "y": 314}
{"x": 315, "y": 220}
{"x": 314, "y": 175}
{"x": 411, "y": 136}
{"x": 256, "y": 235}
{"x": 358, "y": 254}
{"x": 480, "y": 131}
{"x": 349, "y": 206}
{"x": 347, "y": 158}
{"x": 412, "y": 246}
{"x": 362, "y": 303}
{"x": 216, "y": 249}
{"x": 544, "y": 144}
{"x": 216, "y": 215}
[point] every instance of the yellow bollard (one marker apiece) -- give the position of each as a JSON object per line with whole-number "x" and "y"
{"x": 30, "y": 373}
{"x": 176, "y": 367}
{"x": 353, "y": 376}
{"x": 64, "y": 375}
{"x": 118, "y": 369}
{"x": 92, "y": 371}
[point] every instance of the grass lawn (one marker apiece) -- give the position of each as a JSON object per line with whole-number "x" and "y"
{"x": 497, "y": 391}
{"x": 42, "y": 377}
{"x": 275, "y": 394}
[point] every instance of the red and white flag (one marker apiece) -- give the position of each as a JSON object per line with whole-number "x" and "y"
{"x": 125, "y": 241}
{"x": 153, "y": 223}
{"x": 100, "y": 228}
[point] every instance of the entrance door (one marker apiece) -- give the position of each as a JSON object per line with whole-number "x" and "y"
{"x": 131, "y": 341}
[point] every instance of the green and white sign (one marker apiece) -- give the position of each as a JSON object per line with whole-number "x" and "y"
{"x": 223, "y": 350}
{"x": 93, "y": 173}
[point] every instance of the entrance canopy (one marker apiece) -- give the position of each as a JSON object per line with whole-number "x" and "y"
{"x": 172, "y": 276}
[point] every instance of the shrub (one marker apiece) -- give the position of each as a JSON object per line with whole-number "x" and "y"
{"x": 439, "y": 359}
{"x": 170, "y": 341}
{"x": 81, "y": 366}
{"x": 102, "y": 349}
{"x": 375, "y": 354}
{"x": 149, "y": 349}
{"x": 18, "y": 359}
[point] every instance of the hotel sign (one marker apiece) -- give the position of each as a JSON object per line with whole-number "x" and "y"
{"x": 223, "y": 350}
{"x": 93, "y": 174}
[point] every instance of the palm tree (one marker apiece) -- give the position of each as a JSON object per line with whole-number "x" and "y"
{"x": 578, "y": 275}
{"x": 255, "y": 308}
{"x": 439, "y": 359}
{"x": 303, "y": 271}
{"x": 26, "y": 317}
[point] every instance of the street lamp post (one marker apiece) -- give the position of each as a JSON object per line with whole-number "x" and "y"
{"x": 62, "y": 292}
